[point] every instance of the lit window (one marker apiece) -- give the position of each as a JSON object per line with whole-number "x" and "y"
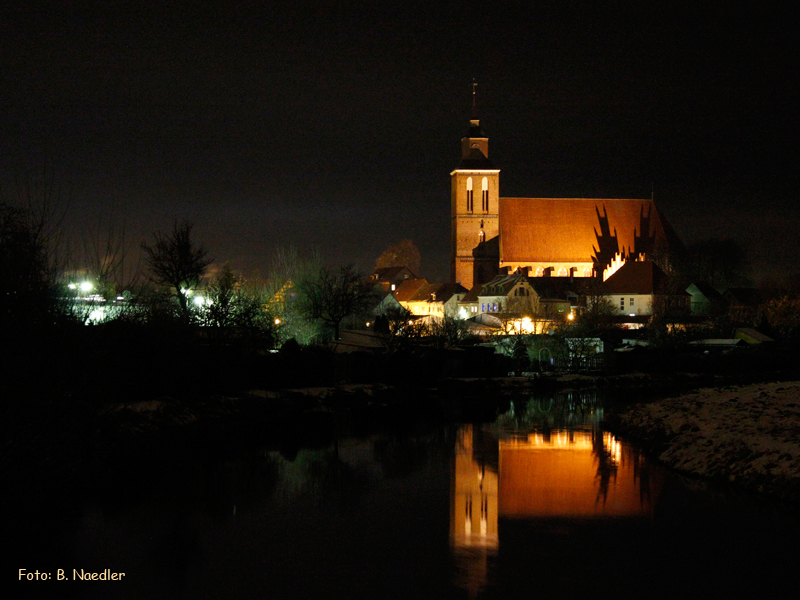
{"x": 469, "y": 195}
{"x": 562, "y": 272}
{"x": 483, "y": 307}
{"x": 485, "y": 195}
{"x": 481, "y": 237}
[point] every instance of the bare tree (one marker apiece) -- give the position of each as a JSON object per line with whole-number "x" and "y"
{"x": 331, "y": 295}
{"x": 108, "y": 256}
{"x": 177, "y": 261}
{"x": 287, "y": 270}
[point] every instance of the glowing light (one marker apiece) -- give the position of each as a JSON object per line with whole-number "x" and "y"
{"x": 199, "y": 300}
{"x": 72, "y": 286}
{"x": 277, "y": 321}
{"x": 97, "y": 315}
{"x": 86, "y": 286}
{"x": 571, "y": 316}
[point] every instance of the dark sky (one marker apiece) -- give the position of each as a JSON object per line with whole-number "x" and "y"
{"x": 335, "y": 126}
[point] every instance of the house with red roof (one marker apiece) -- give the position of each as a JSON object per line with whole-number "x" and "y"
{"x": 642, "y": 288}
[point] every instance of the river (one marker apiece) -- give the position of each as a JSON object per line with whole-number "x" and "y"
{"x": 540, "y": 502}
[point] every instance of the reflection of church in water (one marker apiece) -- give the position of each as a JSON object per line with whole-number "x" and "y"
{"x": 550, "y": 473}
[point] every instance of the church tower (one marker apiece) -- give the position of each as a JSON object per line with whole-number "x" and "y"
{"x": 474, "y": 207}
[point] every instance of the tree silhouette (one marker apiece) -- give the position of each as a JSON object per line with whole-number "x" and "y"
{"x": 331, "y": 295}
{"x": 177, "y": 261}
{"x": 402, "y": 254}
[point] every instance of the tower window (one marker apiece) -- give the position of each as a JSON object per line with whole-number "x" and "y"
{"x": 481, "y": 237}
{"x": 470, "y": 198}
{"x": 485, "y": 195}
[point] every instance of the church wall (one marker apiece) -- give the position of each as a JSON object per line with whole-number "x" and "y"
{"x": 559, "y": 269}
{"x": 467, "y": 225}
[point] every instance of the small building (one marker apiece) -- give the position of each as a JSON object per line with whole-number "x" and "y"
{"x": 705, "y": 299}
{"x": 390, "y": 278}
{"x": 642, "y": 288}
{"x": 751, "y": 336}
{"x": 424, "y": 299}
{"x": 436, "y": 300}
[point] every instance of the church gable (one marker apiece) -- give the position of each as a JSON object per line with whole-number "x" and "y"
{"x": 578, "y": 230}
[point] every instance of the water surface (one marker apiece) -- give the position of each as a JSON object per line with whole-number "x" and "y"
{"x": 540, "y": 501}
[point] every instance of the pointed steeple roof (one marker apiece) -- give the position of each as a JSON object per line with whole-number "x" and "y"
{"x": 475, "y": 144}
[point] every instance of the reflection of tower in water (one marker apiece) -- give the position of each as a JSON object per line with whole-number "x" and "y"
{"x": 473, "y": 518}
{"x": 527, "y": 470}
{"x": 473, "y": 513}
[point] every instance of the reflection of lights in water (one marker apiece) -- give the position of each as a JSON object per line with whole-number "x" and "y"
{"x": 612, "y": 446}
{"x": 572, "y": 474}
{"x": 575, "y": 440}
{"x": 578, "y": 440}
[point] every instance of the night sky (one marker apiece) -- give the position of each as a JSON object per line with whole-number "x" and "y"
{"x": 335, "y": 126}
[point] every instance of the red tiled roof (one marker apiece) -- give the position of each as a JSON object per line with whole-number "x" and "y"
{"x": 567, "y": 229}
{"x": 472, "y": 295}
{"x": 639, "y": 278}
{"x": 406, "y": 290}
{"x": 424, "y": 292}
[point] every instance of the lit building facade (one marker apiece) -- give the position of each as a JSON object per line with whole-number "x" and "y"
{"x": 558, "y": 237}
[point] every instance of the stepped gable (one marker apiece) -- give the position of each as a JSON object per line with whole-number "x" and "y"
{"x": 580, "y": 230}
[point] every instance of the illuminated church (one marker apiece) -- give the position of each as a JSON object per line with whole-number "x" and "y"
{"x": 577, "y": 237}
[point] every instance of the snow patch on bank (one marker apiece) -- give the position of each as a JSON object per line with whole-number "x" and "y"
{"x": 745, "y": 434}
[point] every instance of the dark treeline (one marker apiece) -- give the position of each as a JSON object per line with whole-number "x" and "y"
{"x": 92, "y": 328}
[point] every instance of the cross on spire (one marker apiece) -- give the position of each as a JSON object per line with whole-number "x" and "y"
{"x": 474, "y": 101}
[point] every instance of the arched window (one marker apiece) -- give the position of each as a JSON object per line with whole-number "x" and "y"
{"x": 485, "y": 195}
{"x": 469, "y": 195}
{"x": 481, "y": 236}
{"x": 587, "y": 272}
{"x": 562, "y": 272}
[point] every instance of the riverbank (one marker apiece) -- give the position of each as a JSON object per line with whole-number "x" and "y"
{"x": 744, "y": 434}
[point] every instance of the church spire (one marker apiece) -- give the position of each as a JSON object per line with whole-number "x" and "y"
{"x": 474, "y": 100}
{"x": 475, "y": 145}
